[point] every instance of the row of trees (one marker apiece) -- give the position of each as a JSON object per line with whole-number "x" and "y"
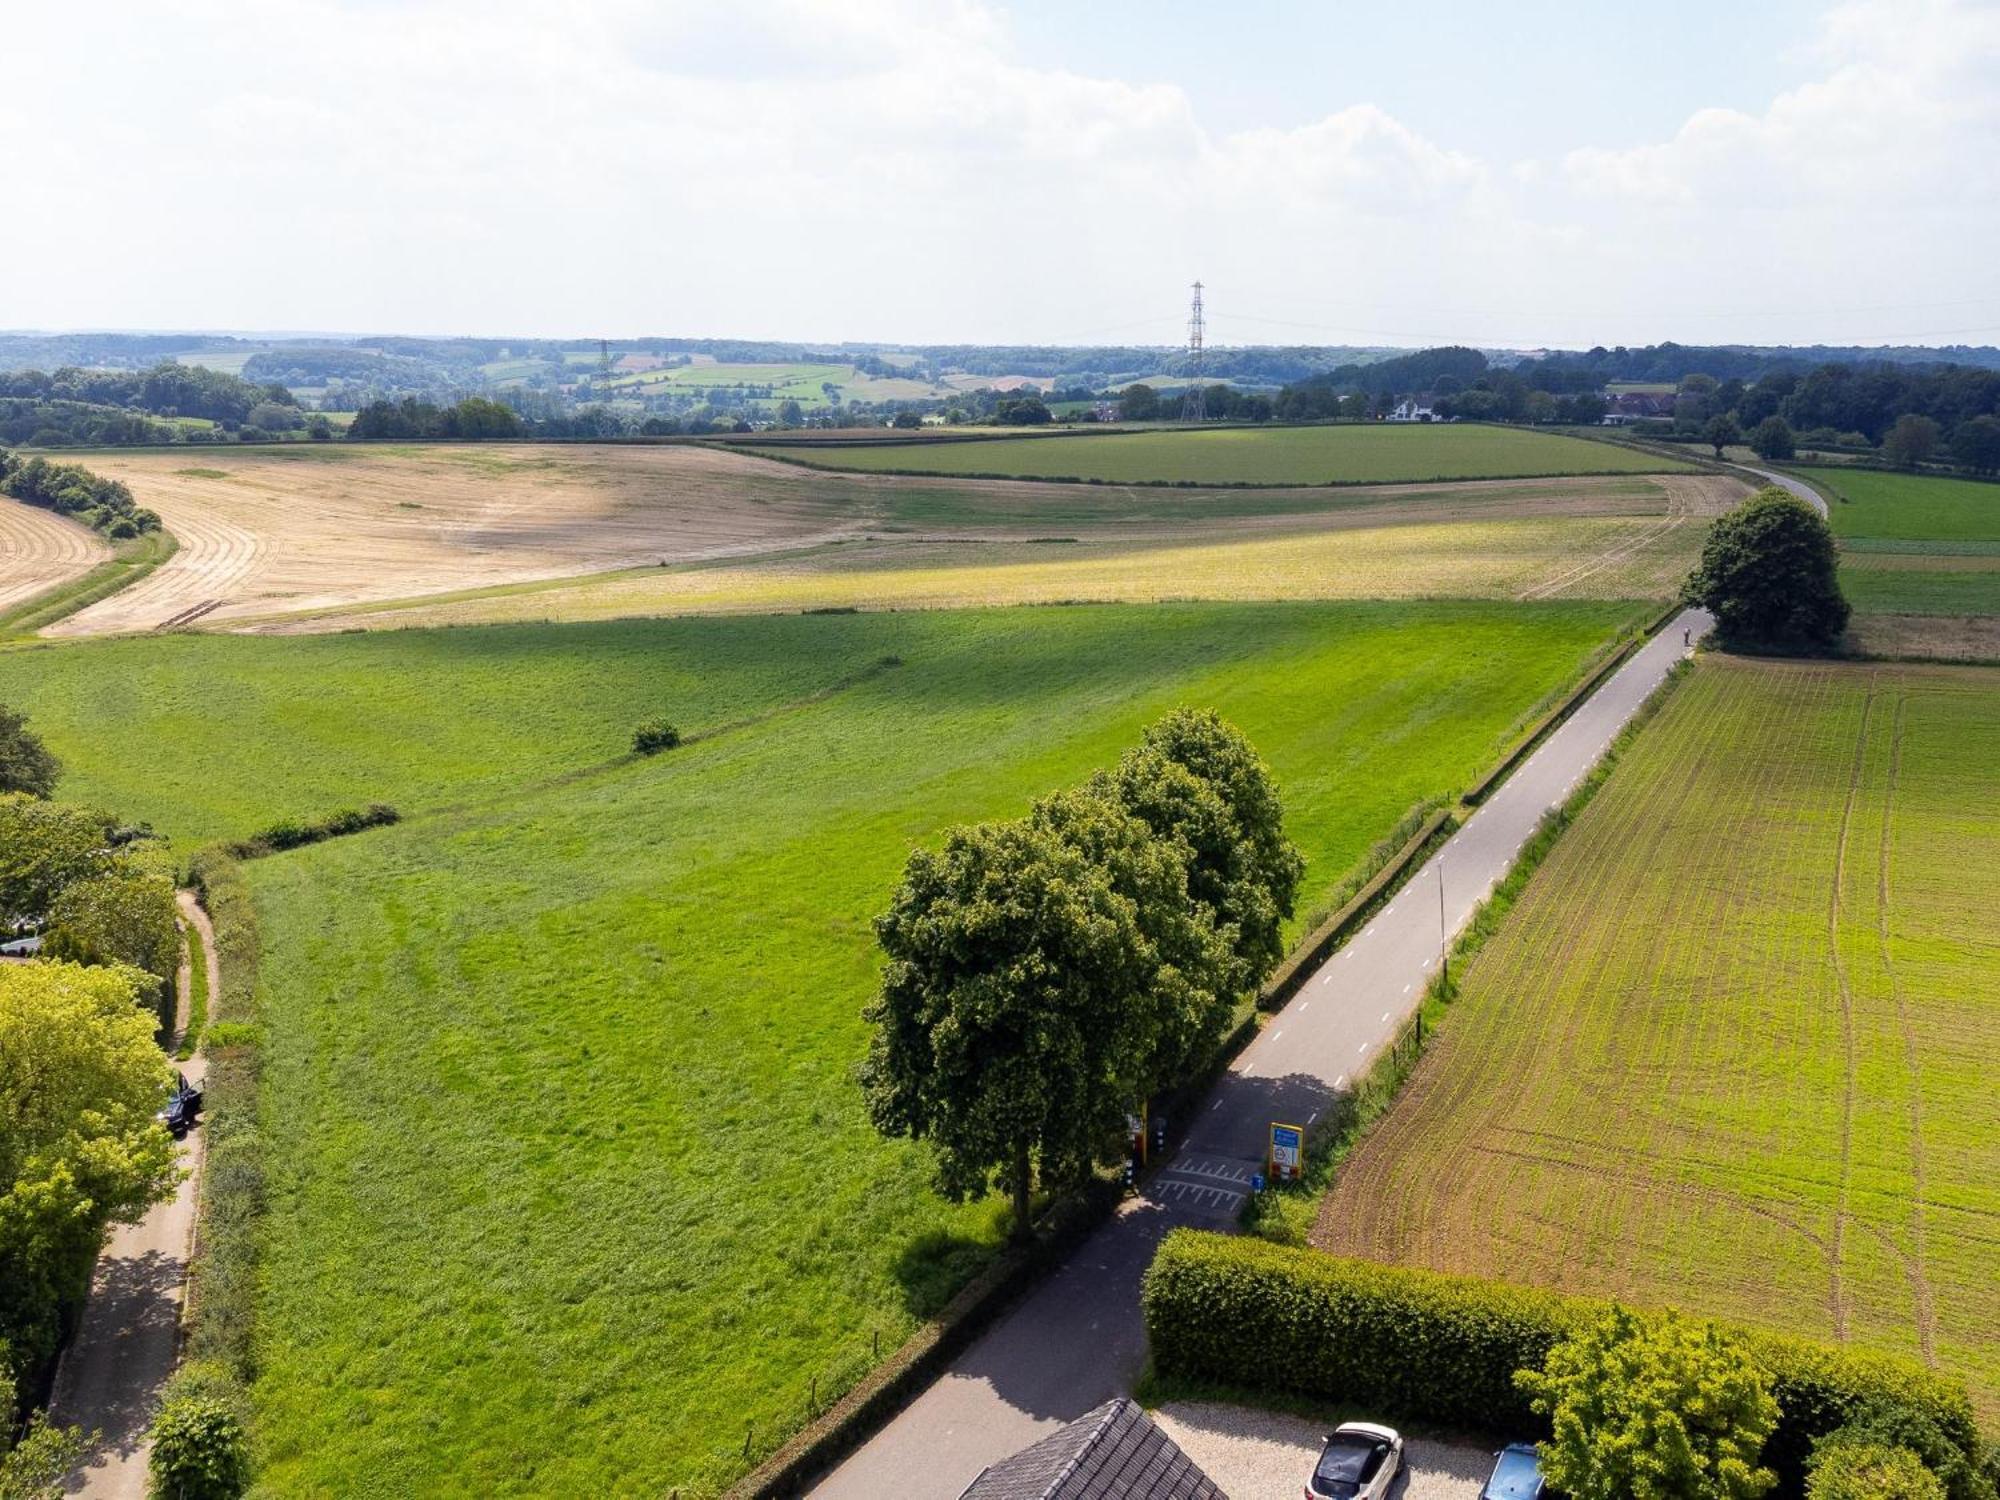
{"x": 1046, "y": 975}
{"x": 166, "y": 390}
{"x": 83, "y": 1077}
{"x": 102, "y": 504}
{"x": 474, "y": 417}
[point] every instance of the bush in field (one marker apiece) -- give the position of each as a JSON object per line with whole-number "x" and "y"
{"x": 653, "y": 736}
{"x": 1768, "y": 574}
{"x": 1882, "y": 1427}
{"x": 1656, "y": 1408}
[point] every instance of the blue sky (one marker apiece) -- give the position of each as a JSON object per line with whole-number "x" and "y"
{"x": 1515, "y": 175}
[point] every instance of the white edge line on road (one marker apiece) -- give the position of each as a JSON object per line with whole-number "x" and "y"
{"x": 1340, "y": 1082}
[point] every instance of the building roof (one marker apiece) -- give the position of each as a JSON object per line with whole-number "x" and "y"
{"x": 1112, "y": 1453}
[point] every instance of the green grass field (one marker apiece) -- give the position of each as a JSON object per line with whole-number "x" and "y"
{"x": 1733, "y": 1049}
{"x": 1874, "y": 506}
{"x": 1915, "y": 544}
{"x": 1256, "y": 455}
{"x": 571, "y": 1180}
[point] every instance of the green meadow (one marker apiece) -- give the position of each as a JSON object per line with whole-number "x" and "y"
{"x": 571, "y": 1186}
{"x": 1338, "y": 454}
{"x": 1915, "y": 544}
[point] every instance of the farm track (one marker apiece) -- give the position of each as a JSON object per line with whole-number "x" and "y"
{"x": 1711, "y": 1058}
{"x": 40, "y": 549}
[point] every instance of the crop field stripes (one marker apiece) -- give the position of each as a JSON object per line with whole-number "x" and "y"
{"x": 1733, "y": 1049}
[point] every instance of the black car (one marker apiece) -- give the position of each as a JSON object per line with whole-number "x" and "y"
{"x": 1517, "y": 1475}
{"x": 183, "y": 1107}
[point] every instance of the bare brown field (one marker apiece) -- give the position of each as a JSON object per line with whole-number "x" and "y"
{"x": 1939, "y": 637}
{"x": 40, "y": 549}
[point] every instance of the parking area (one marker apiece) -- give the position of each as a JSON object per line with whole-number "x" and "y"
{"x": 1262, "y": 1455}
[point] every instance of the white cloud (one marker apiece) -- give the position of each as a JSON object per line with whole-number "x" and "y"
{"x": 895, "y": 170}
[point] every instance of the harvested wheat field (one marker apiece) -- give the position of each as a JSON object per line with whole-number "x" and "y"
{"x": 1584, "y": 539}
{"x": 319, "y": 530}
{"x": 40, "y": 549}
{"x": 1734, "y": 1049}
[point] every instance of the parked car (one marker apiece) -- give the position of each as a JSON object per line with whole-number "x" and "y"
{"x": 1358, "y": 1462}
{"x": 1517, "y": 1475}
{"x": 183, "y": 1107}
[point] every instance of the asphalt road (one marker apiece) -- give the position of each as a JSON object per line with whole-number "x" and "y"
{"x": 1078, "y": 1339}
{"x": 1798, "y": 487}
{"x": 128, "y": 1339}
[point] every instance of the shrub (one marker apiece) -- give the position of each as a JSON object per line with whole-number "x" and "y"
{"x": 1886, "y": 1425}
{"x": 199, "y": 1449}
{"x": 1870, "y": 1471}
{"x": 654, "y": 736}
{"x": 293, "y": 833}
{"x": 1662, "y": 1406}
{"x": 1427, "y": 1347}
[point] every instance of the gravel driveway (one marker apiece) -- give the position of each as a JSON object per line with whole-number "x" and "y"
{"x": 1262, "y": 1455}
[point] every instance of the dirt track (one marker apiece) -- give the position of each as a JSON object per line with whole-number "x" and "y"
{"x": 40, "y": 549}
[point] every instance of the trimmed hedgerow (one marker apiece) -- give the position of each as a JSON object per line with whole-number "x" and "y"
{"x": 1427, "y": 1347}
{"x": 293, "y": 833}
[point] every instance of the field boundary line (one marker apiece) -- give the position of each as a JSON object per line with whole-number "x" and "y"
{"x": 112, "y": 576}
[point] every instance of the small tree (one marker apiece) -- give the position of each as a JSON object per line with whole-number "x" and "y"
{"x": 1912, "y": 440}
{"x": 1721, "y": 431}
{"x": 1772, "y": 439}
{"x": 1653, "y": 1409}
{"x": 25, "y": 762}
{"x": 1768, "y": 574}
{"x": 200, "y": 1451}
{"x": 1861, "y": 1470}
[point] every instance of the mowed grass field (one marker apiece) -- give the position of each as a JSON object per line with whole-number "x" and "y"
{"x": 1914, "y": 544}
{"x": 1734, "y": 1049}
{"x": 1373, "y": 454}
{"x": 571, "y": 1183}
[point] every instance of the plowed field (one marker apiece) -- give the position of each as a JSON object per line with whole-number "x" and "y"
{"x": 1736, "y": 1048}
{"x": 39, "y": 549}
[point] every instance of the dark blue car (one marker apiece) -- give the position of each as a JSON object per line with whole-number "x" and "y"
{"x": 1517, "y": 1475}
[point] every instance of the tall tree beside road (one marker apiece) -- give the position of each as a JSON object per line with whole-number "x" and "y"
{"x": 1194, "y": 778}
{"x": 25, "y": 762}
{"x": 80, "y": 1081}
{"x": 1768, "y": 573}
{"x": 1721, "y": 431}
{"x": 1013, "y": 1023}
{"x": 1653, "y": 1409}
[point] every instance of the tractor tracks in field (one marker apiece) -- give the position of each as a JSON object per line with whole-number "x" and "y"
{"x": 1677, "y": 513}
{"x": 1919, "y": 1229}
{"x": 1836, "y": 1255}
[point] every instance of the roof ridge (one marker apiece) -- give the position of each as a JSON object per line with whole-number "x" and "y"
{"x": 1113, "y": 1409}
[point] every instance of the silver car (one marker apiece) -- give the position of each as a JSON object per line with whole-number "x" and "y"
{"x": 1358, "y": 1462}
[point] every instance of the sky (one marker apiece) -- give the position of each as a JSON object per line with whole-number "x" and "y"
{"x": 930, "y": 171}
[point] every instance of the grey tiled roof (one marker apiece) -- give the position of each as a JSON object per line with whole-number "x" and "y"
{"x": 1112, "y": 1453}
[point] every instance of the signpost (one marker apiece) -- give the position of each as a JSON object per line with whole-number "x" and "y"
{"x": 1288, "y": 1152}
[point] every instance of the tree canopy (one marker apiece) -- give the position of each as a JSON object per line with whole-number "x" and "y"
{"x": 1768, "y": 573}
{"x": 1655, "y": 1408}
{"x": 25, "y": 762}
{"x": 79, "y": 1145}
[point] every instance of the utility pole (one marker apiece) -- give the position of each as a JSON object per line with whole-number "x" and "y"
{"x": 1194, "y": 403}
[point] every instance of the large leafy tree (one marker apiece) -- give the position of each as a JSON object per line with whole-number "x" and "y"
{"x": 1768, "y": 574}
{"x": 1913, "y": 439}
{"x": 1772, "y": 438}
{"x": 1195, "y": 779}
{"x": 44, "y": 848}
{"x": 25, "y": 762}
{"x": 1013, "y": 1022}
{"x": 1658, "y": 1408}
{"x": 123, "y": 915}
{"x": 1720, "y": 431}
{"x": 80, "y": 1082}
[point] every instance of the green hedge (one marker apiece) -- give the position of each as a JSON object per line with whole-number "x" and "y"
{"x": 1424, "y": 1347}
{"x": 294, "y": 834}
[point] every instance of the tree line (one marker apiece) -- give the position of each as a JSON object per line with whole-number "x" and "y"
{"x": 81, "y": 1148}
{"x": 70, "y": 407}
{"x": 104, "y": 505}
{"x": 1046, "y": 975}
